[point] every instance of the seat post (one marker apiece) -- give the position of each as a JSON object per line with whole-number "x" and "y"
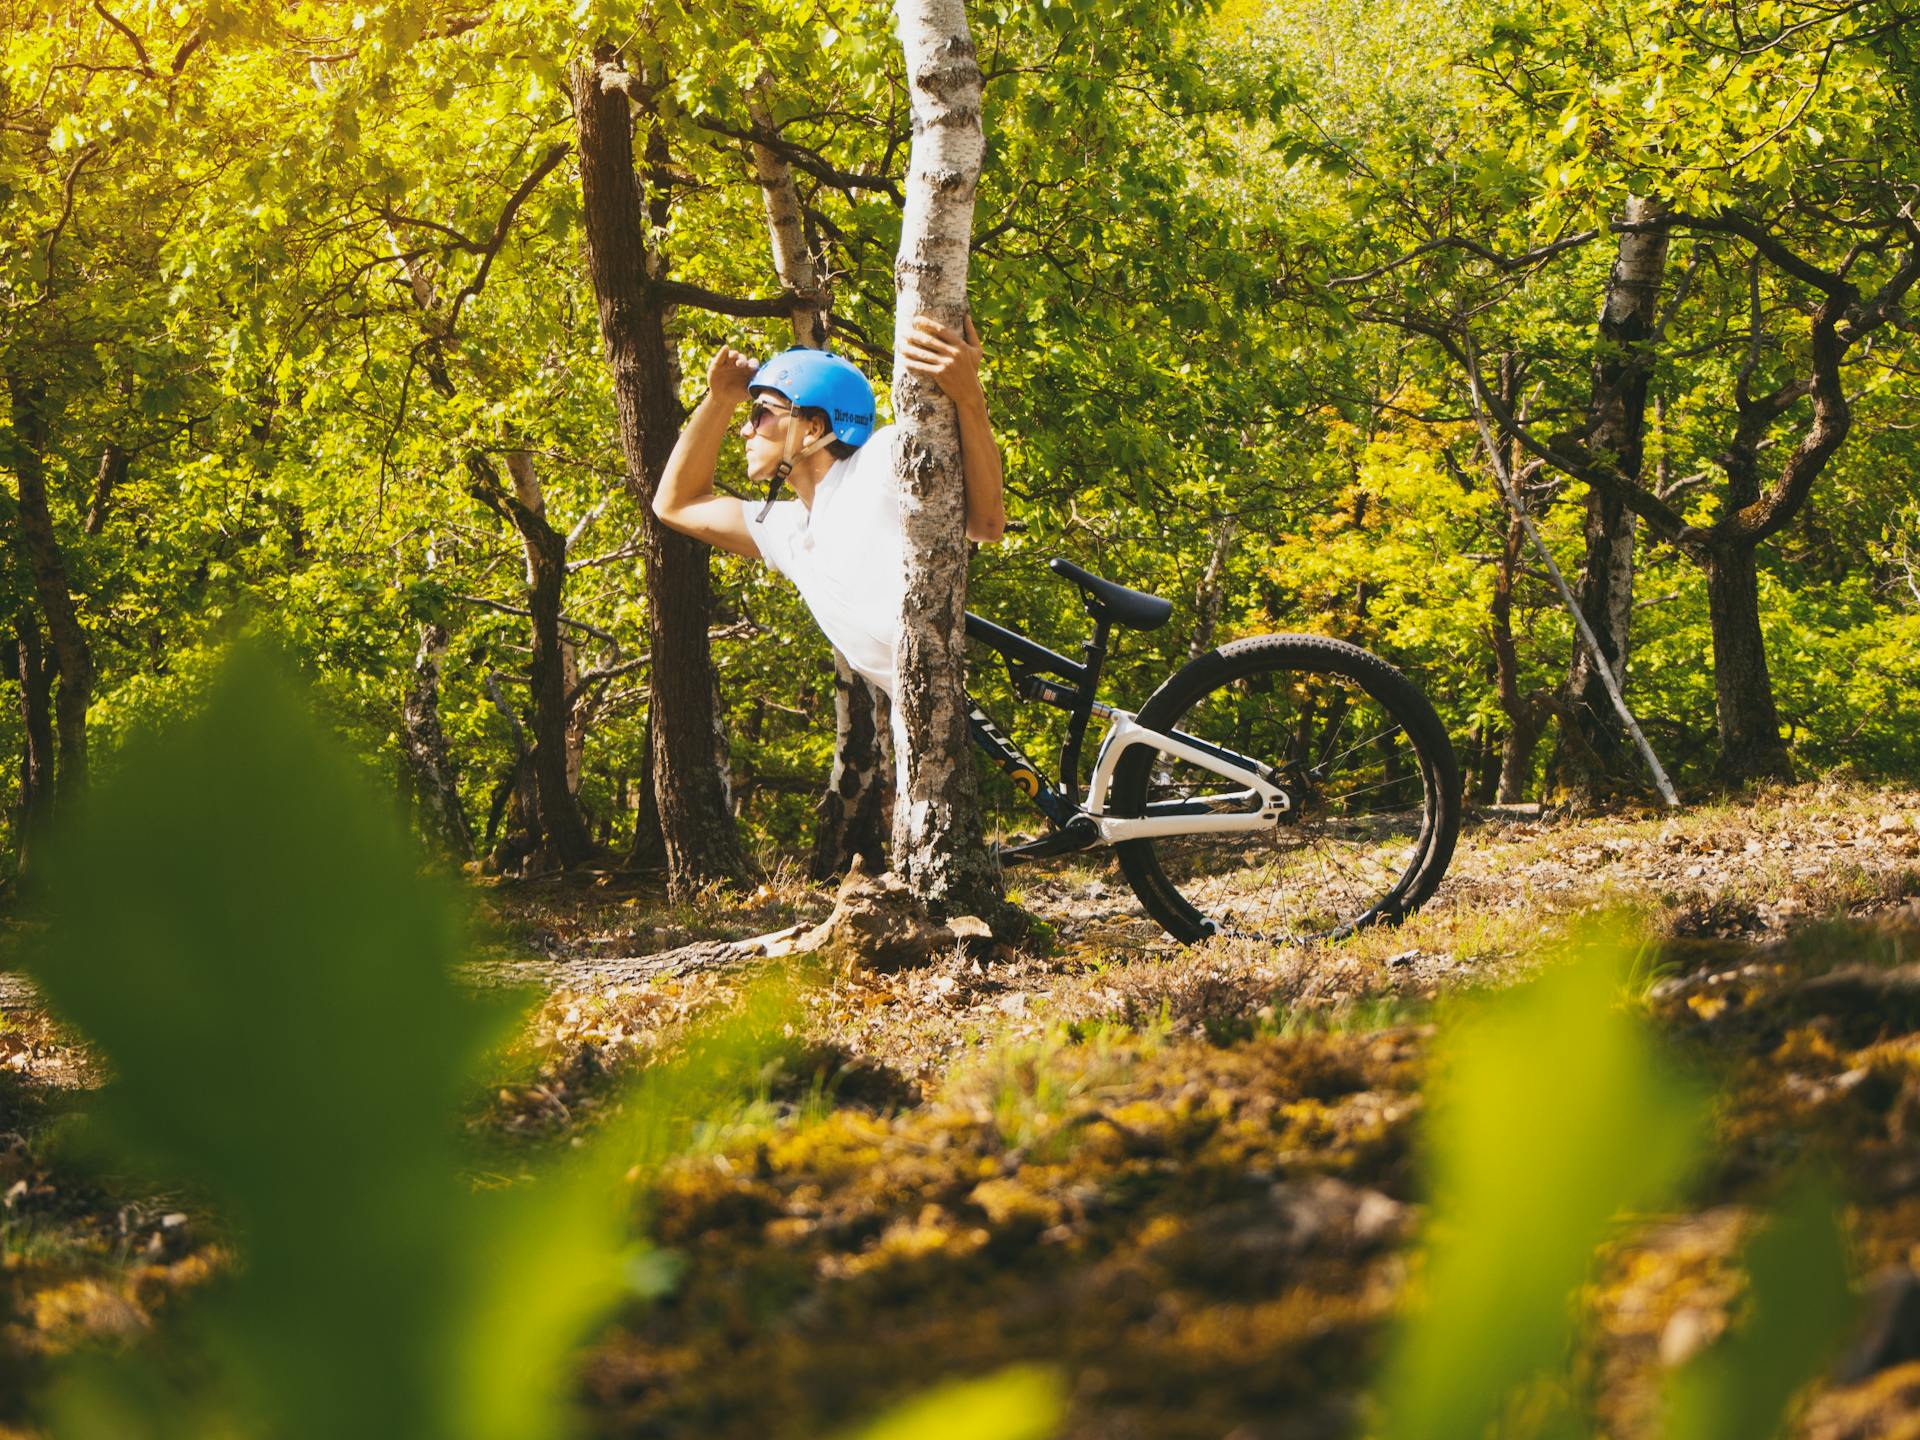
{"x": 1094, "y": 656}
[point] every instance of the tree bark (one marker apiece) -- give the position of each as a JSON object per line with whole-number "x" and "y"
{"x": 568, "y": 840}
{"x": 699, "y": 835}
{"x": 1749, "y": 725}
{"x": 36, "y": 719}
{"x": 40, "y": 544}
{"x": 106, "y": 484}
{"x": 649, "y": 848}
{"x": 517, "y": 798}
{"x": 546, "y": 549}
{"x": 1526, "y": 715}
{"x": 426, "y": 747}
{"x": 1208, "y": 594}
{"x": 1617, "y": 418}
{"x": 938, "y": 843}
{"x": 851, "y": 810}
{"x": 791, "y": 260}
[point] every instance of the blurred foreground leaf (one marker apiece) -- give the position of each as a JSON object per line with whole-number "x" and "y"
{"x": 1554, "y": 1113}
{"x": 1022, "y": 1402}
{"x": 243, "y": 933}
{"x": 1797, "y": 1309}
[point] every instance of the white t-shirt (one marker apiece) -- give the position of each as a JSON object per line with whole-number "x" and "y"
{"x": 847, "y": 558}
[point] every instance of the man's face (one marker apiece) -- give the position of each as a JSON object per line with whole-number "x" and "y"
{"x": 768, "y": 428}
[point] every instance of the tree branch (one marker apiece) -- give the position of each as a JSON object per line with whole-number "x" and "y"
{"x": 1663, "y": 518}
{"x": 1503, "y": 263}
{"x": 802, "y": 158}
{"x": 196, "y": 37}
{"x": 520, "y": 610}
{"x": 555, "y": 154}
{"x": 675, "y": 292}
{"x": 146, "y": 65}
{"x": 1861, "y": 319}
{"x": 1756, "y": 234}
{"x": 66, "y": 214}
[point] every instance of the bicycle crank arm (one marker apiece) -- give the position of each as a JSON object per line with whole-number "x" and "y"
{"x": 1079, "y": 833}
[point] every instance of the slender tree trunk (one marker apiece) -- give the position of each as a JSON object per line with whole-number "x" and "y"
{"x": 1207, "y": 595}
{"x": 40, "y": 543}
{"x": 701, "y": 842}
{"x": 426, "y": 746}
{"x": 852, "y": 808}
{"x": 546, "y": 549}
{"x": 938, "y": 842}
{"x": 106, "y": 484}
{"x": 1618, "y": 417}
{"x": 849, "y": 812}
{"x": 1750, "y": 744}
{"x": 516, "y": 801}
{"x": 1525, "y": 715}
{"x": 36, "y": 720}
{"x": 786, "y": 233}
{"x": 649, "y": 848}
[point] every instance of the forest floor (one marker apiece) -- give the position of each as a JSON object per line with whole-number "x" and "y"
{"x": 1185, "y": 1177}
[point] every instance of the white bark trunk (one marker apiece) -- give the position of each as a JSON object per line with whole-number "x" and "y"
{"x": 1620, "y": 396}
{"x": 937, "y": 840}
{"x": 791, "y": 260}
{"x": 849, "y": 810}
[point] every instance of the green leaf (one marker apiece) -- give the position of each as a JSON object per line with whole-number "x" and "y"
{"x": 1798, "y": 1307}
{"x": 1554, "y": 1114}
{"x": 241, "y": 930}
{"x": 1022, "y": 1402}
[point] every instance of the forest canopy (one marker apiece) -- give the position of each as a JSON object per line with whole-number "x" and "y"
{"x": 1289, "y": 309}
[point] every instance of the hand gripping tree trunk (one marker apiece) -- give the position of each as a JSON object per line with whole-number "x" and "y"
{"x": 848, "y": 815}
{"x": 937, "y": 841}
{"x": 1601, "y": 755}
{"x": 695, "y": 824}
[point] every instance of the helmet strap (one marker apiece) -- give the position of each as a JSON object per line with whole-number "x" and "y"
{"x": 791, "y": 458}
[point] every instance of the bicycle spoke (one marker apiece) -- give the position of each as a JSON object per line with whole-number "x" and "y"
{"x": 1349, "y": 845}
{"x": 1370, "y": 740}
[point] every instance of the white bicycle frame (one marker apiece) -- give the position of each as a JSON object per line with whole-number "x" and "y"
{"x": 1268, "y": 801}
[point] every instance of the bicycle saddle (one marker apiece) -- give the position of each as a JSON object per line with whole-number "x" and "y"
{"x": 1135, "y": 609}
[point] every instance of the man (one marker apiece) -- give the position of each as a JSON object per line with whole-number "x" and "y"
{"x": 812, "y": 427}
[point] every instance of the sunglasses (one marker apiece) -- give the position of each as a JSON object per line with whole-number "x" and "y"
{"x": 762, "y": 412}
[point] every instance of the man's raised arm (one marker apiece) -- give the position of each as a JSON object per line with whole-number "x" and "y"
{"x": 685, "y": 500}
{"x": 952, "y": 361}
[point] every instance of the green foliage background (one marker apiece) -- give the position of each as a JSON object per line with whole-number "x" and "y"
{"x": 201, "y": 242}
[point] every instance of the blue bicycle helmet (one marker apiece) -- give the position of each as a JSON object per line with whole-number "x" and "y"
{"x": 820, "y": 380}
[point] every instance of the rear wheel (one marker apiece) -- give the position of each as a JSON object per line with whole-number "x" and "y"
{"x": 1374, "y": 787}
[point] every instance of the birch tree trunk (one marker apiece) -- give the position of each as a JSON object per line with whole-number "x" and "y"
{"x": 849, "y": 811}
{"x": 937, "y": 839}
{"x": 426, "y": 746}
{"x": 1618, "y": 415}
{"x": 791, "y": 260}
{"x": 1208, "y": 595}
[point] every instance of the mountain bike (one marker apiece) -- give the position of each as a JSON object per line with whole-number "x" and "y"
{"x": 1284, "y": 787}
